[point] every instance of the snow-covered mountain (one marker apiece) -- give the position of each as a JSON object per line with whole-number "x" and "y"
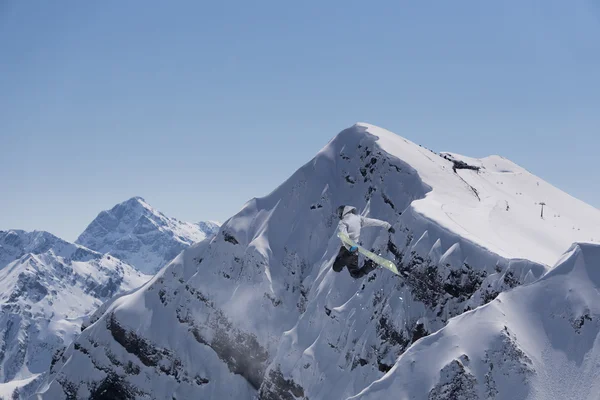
{"x": 257, "y": 311}
{"x": 539, "y": 341}
{"x": 47, "y": 287}
{"x": 141, "y": 235}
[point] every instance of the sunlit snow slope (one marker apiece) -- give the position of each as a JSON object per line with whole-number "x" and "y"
{"x": 496, "y": 204}
{"x": 258, "y": 311}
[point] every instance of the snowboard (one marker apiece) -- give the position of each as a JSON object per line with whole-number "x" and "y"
{"x": 370, "y": 255}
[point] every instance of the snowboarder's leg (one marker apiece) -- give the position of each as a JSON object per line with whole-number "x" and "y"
{"x": 368, "y": 266}
{"x": 340, "y": 260}
{"x": 365, "y": 270}
{"x": 352, "y": 264}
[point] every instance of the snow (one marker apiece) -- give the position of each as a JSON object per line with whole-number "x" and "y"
{"x": 45, "y": 293}
{"x": 7, "y": 389}
{"x": 256, "y": 310}
{"x": 538, "y": 341}
{"x": 516, "y": 233}
{"x": 142, "y": 236}
{"x": 49, "y": 287}
{"x": 14, "y": 244}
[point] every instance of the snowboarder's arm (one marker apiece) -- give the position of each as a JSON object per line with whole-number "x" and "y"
{"x": 342, "y": 227}
{"x": 374, "y": 222}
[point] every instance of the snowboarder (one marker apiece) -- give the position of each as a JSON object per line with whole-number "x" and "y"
{"x": 351, "y": 224}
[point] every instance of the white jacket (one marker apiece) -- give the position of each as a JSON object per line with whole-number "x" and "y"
{"x": 352, "y": 223}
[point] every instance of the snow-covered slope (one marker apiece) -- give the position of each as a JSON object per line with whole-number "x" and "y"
{"x": 539, "y": 341}
{"x": 257, "y": 309}
{"x": 14, "y": 244}
{"x": 500, "y": 210}
{"x": 141, "y": 235}
{"x": 46, "y": 290}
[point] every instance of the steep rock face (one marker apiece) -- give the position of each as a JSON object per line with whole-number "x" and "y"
{"x": 257, "y": 309}
{"x": 142, "y": 236}
{"x": 537, "y": 341}
{"x": 44, "y": 294}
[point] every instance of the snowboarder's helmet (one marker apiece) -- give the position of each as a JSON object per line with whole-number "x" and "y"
{"x": 343, "y": 210}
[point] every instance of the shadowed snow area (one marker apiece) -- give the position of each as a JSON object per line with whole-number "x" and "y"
{"x": 257, "y": 311}
{"x": 538, "y": 341}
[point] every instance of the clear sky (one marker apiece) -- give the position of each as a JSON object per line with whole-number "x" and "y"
{"x": 198, "y": 106}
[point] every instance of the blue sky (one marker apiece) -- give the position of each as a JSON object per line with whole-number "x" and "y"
{"x": 200, "y": 106}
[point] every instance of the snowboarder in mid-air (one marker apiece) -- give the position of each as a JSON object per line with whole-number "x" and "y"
{"x": 351, "y": 224}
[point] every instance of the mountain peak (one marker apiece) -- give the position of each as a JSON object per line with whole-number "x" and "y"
{"x": 139, "y": 234}
{"x": 580, "y": 261}
{"x": 135, "y": 200}
{"x": 262, "y": 301}
{"x": 136, "y": 204}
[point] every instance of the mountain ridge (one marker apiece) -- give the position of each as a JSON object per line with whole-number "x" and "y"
{"x": 45, "y": 291}
{"x": 261, "y": 307}
{"x": 545, "y": 331}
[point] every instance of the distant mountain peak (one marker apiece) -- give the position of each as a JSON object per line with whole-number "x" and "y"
{"x": 137, "y": 201}
{"x": 133, "y": 208}
{"x": 139, "y": 234}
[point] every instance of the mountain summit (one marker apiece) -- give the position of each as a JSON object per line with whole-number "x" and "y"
{"x": 257, "y": 311}
{"x": 142, "y": 236}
